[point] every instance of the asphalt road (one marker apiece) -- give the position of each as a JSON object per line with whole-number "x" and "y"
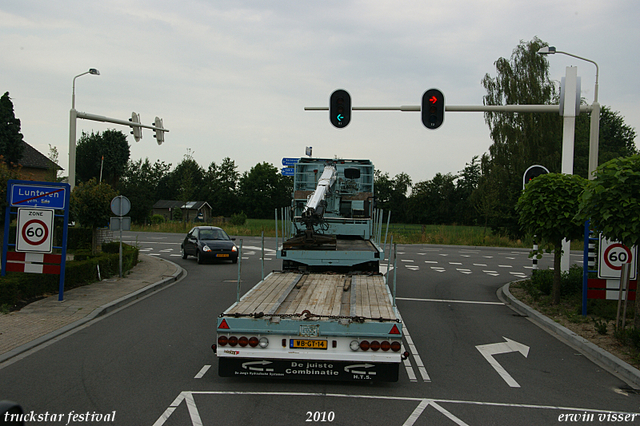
{"x": 474, "y": 360}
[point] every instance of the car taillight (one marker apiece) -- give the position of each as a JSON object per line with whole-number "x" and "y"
{"x": 223, "y": 340}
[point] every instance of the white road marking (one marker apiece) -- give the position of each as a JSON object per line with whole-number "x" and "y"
{"x": 406, "y": 260}
{"x": 414, "y": 351}
{"x": 480, "y": 264}
{"x": 455, "y": 263}
{"x": 464, "y": 271}
{"x": 423, "y": 403}
{"x": 505, "y": 266}
{"x": 488, "y": 351}
{"x": 430, "y": 261}
{"x": 202, "y": 372}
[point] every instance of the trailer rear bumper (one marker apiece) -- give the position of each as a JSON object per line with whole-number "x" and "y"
{"x": 308, "y": 369}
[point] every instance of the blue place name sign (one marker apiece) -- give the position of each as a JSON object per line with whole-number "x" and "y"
{"x": 38, "y": 196}
{"x": 289, "y": 162}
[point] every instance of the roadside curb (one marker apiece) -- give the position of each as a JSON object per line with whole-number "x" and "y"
{"x": 593, "y": 352}
{"x": 100, "y": 311}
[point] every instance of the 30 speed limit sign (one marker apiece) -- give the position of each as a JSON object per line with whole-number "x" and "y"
{"x": 35, "y": 230}
{"x": 613, "y": 255}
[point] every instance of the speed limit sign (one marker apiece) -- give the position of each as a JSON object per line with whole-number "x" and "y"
{"x": 35, "y": 230}
{"x": 613, "y": 255}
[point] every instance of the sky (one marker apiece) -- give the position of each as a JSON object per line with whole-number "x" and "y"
{"x": 232, "y": 78}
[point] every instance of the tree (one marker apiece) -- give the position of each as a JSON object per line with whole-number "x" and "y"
{"x": 184, "y": 183}
{"x": 547, "y": 209}
{"x": 111, "y": 145}
{"x": 433, "y": 201}
{"x": 91, "y": 206}
{"x": 519, "y": 139}
{"x": 391, "y": 194}
{"x": 612, "y": 201}
{"x": 139, "y": 183}
{"x": 221, "y": 187}
{"x": 11, "y": 147}
{"x": 616, "y": 140}
{"x": 262, "y": 190}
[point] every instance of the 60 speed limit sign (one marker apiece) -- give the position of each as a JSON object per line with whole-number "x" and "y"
{"x": 35, "y": 230}
{"x": 613, "y": 255}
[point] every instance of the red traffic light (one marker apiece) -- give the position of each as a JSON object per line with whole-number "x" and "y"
{"x": 432, "y": 108}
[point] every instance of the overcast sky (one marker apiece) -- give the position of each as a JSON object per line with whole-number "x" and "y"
{"x": 232, "y": 78}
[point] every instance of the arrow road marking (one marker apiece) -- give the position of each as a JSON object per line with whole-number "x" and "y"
{"x": 348, "y": 369}
{"x": 488, "y": 351}
{"x": 248, "y": 365}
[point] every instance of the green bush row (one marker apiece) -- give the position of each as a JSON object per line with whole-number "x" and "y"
{"x": 18, "y": 288}
{"x": 541, "y": 282}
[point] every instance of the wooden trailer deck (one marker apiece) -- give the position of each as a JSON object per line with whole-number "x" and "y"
{"x": 291, "y": 293}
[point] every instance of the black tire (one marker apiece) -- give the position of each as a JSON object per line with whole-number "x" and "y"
{"x": 235, "y": 260}
{"x": 184, "y": 253}
{"x": 198, "y": 257}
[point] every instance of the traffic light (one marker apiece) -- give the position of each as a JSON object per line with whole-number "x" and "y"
{"x": 159, "y": 133}
{"x": 340, "y": 108}
{"x": 532, "y": 172}
{"x": 137, "y": 131}
{"x": 432, "y": 108}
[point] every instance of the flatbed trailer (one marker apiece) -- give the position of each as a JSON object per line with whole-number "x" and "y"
{"x": 319, "y": 326}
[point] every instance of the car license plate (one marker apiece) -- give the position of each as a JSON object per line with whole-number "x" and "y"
{"x": 222, "y": 255}
{"x": 307, "y": 344}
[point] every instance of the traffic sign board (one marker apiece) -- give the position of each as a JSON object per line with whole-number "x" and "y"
{"x": 120, "y": 205}
{"x": 25, "y": 195}
{"x": 612, "y": 256}
{"x": 287, "y": 171}
{"x": 288, "y": 162}
{"x": 35, "y": 230}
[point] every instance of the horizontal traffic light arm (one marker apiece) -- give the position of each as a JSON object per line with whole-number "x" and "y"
{"x": 462, "y": 108}
{"x": 94, "y": 117}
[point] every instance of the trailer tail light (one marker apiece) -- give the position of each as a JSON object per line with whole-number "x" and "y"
{"x": 243, "y": 341}
{"x": 365, "y": 345}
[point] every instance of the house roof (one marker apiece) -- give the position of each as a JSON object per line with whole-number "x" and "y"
{"x": 34, "y": 159}
{"x": 172, "y": 204}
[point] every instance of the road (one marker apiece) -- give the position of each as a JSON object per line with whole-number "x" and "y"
{"x": 474, "y": 360}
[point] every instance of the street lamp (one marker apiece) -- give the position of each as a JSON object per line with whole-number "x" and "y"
{"x": 595, "y": 110}
{"x": 73, "y": 115}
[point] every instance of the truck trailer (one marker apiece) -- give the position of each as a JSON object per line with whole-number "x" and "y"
{"x": 329, "y": 313}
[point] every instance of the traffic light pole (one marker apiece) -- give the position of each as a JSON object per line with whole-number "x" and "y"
{"x": 73, "y": 118}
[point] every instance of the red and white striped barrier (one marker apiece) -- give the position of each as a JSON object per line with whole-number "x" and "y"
{"x": 35, "y": 263}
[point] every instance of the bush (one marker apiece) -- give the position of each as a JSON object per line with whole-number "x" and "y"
{"x": 18, "y": 288}
{"x": 238, "y": 219}
{"x": 541, "y": 282}
{"x": 157, "y": 219}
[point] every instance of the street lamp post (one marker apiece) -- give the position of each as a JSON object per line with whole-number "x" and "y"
{"x": 594, "y": 135}
{"x": 73, "y": 115}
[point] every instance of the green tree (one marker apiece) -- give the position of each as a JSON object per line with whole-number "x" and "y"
{"x": 616, "y": 140}
{"x": 262, "y": 190}
{"x": 612, "y": 201}
{"x": 547, "y": 209}
{"x": 433, "y": 201}
{"x": 11, "y": 146}
{"x": 139, "y": 183}
{"x": 112, "y": 145}
{"x": 221, "y": 188}
{"x": 184, "y": 183}
{"x": 91, "y": 206}
{"x": 519, "y": 139}
{"x": 391, "y": 194}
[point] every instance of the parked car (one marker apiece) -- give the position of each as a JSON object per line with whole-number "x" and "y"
{"x": 209, "y": 243}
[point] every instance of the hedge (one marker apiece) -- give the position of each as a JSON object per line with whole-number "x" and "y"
{"x": 18, "y": 288}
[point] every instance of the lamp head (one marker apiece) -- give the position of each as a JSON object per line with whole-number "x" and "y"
{"x": 96, "y": 72}
{"x": 547, "y": 50}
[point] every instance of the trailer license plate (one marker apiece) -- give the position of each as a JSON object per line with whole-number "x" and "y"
{"x": 222, "y": 255}
{"x": 307, "y": 344}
